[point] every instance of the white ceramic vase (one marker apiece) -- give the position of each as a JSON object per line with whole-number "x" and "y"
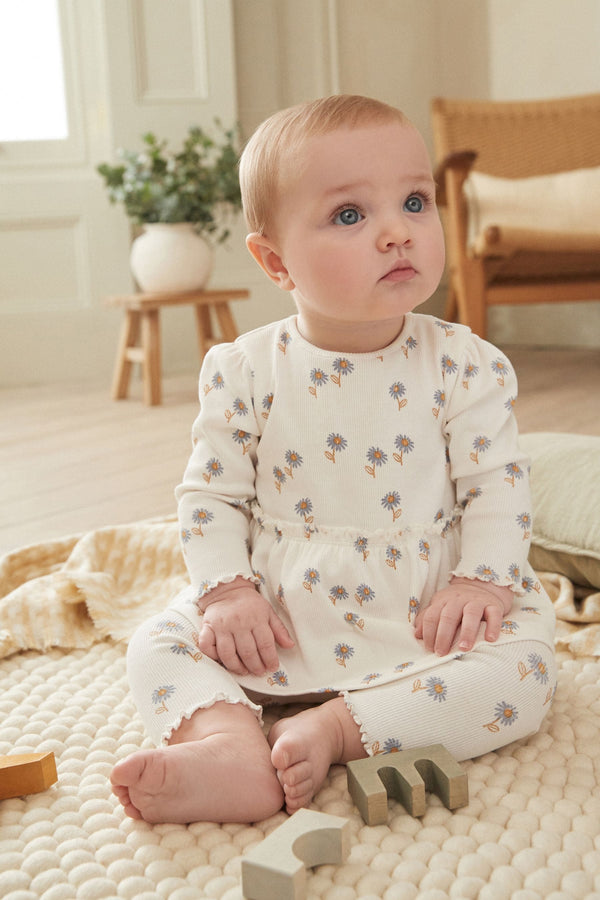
{"x": 171, "y": 257}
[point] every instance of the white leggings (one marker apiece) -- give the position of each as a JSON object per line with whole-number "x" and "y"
{"x": 474, "y": 703}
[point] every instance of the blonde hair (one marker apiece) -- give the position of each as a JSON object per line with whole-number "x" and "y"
{"x": 275, "y": 143}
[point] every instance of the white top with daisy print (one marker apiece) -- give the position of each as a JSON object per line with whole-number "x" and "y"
{"x": 350, "y": 487}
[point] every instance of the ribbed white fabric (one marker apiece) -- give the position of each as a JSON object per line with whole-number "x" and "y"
{"x": 349, "y": 487}
{"x": 472, "y": 703}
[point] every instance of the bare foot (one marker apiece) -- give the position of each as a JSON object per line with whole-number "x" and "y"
{"x": 222, "y": 777}
{"x": 307, "y": 744}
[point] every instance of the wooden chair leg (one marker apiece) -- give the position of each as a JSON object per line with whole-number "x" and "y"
{"x": 470, "y": 296}
{"x": 204, "y": 329}
{"x": 226, "y": 322}
{"x": 152, "y": 362}
{"x": 451, "y": 308}
{"x": 128, "y": 339}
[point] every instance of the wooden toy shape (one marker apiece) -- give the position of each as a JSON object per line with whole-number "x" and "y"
{"x": 276, "y": 868}
{"x": 27, "y": 773}
{"x": 404, "y": 775}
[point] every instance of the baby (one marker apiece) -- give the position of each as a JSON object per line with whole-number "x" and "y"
{"x": 355, "y": 514}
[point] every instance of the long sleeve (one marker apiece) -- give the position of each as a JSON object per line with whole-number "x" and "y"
{"x": 218, "y": 484}
{"x": 489, "y": 470}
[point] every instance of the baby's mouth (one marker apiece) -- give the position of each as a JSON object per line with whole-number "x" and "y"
{"x": 401, "y": 271}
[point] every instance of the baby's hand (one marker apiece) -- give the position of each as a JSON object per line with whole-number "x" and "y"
{"x": 241, "y": 629}
{"x": 458, "y": 610}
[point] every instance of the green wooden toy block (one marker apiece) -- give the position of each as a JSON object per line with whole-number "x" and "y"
{"x": 276, "y": 868}
{"x": 404, "y": 776}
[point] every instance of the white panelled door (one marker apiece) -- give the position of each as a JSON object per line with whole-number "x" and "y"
{"x": 130, "y": 66}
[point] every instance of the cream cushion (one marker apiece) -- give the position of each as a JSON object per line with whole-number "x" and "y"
{"x": 565, "y": 486}
{"x": 566, "y": 201}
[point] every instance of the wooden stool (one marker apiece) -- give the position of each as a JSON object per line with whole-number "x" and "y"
{"x": 140, "y": 333}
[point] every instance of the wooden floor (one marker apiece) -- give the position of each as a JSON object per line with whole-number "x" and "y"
{"x": 71, "y": 459}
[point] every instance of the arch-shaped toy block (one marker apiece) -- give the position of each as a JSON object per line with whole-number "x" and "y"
{"x": 276, "y": 868}
{"x": 404, "y": 775}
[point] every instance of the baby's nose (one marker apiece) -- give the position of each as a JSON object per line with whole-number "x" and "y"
{"x": 394, "y": 231}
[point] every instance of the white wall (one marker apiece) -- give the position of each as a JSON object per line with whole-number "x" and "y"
{"x": 543, "y": 48}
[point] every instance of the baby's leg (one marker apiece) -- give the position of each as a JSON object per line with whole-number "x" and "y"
{"x": 216, "y": 768}
{"x": 307, "y": 744}
{"x": 473, "y": 704}
{"x": 216, "y": 763}
{"x": 487, "y": 698}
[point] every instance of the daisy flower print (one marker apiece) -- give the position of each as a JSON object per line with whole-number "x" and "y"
{"x": 343, "y": 652}
{"x": 391, "y": 501}
{"x": 397, "y": 392}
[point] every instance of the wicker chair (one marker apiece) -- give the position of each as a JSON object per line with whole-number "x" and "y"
{"x": 514, "y": 140}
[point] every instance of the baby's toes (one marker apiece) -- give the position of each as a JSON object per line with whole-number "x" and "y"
{"x": 295, "y": 775}
{"x": 298, "y": 786}
{"x": 122, "y": 794}
{"x": 298, "y": 796}
{"x": 299, "y": 790}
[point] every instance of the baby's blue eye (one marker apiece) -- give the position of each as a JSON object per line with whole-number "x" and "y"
{"x": 348, "y": 216}
{"x": 414, "y": 204}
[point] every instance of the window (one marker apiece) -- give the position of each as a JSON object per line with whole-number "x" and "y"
{"x": 32, "y": 100}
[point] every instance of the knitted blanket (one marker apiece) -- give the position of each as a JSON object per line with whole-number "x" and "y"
{"x": 530, "y": 830}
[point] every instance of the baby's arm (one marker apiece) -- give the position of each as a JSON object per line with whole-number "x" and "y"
{"x": 241, "y": 629}
{"x": 459, "y": 610}
{"x": 490, "y": 475}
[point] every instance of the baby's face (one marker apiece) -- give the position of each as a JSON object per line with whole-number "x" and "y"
{"x": 359, "y": 234}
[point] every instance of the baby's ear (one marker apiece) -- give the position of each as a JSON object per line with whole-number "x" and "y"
{"x": 266, "y": 254}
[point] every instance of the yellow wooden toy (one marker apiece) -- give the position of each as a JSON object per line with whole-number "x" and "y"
{"x": 27, "y": 773}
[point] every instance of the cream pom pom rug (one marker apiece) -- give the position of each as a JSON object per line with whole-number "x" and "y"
{"x": 531, "y": 830}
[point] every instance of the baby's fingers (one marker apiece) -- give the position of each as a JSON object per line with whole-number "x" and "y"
{"x": 439, "y": 633}
{"x": 472, "y": 619}
{"x": 266, "y": 650}
{"x": 207, "y": 642}
{"x": 469, "y": 629}
{"x": 493, "y": 616}
{"x": 249, "y": 653}
{"x": 227, "y": 650}
{"x": 280, "y": 632}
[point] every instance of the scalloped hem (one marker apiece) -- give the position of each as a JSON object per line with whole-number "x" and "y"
{"x": 515, "y": 586}
{"x": 367, "y": 744}
{"x": 208, "y": 586}
{"x": 221, "y": 696}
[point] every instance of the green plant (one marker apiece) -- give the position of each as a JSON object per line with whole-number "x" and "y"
{"x": 199, "y": 184}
